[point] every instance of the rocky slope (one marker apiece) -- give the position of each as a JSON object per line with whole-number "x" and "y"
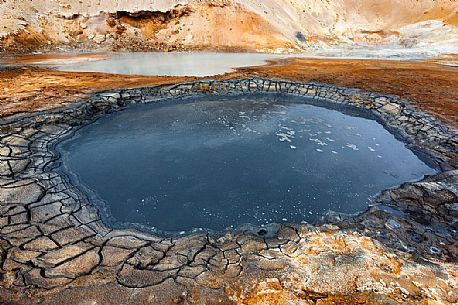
{"x": 249, "y": 25}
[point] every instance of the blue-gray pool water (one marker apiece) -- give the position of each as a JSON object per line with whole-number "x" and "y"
{"x": 219, "y": 162}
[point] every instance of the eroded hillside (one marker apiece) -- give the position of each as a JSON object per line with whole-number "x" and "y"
{"x": 251, "y": 25}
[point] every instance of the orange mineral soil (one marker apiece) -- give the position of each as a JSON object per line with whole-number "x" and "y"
{"x": 251, "y": 25}
{"x": 430, "y": 86}
{"x": 32, "y": 89}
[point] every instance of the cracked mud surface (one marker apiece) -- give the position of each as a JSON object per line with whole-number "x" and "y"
{"x": 54, "y": 248}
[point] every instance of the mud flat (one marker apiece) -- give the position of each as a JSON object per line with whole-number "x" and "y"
{"x": 427, "y": 85}
{"x": 55, "y": 247}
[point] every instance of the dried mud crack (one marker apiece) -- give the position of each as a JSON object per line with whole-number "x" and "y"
{"x": 54, "y": 248}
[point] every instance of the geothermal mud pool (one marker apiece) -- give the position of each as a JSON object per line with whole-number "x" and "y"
{"x": 57, "y": 248}
{"x": 218, "y": 163}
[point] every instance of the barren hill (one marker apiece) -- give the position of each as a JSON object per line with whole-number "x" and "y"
{"x": 248, "y": 25}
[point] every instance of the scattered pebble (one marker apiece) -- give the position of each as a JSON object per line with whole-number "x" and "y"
{"x": 434, "y": 250}
{"x": 392, "y": 224}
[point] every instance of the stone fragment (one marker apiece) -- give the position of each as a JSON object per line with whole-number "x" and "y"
{"x": 18, "y": 166}
{"x": 22, "y": 235}
{"x": 23, "y": 256}
{"x": 192, "y": 271}
{"x": 80, "y": 265}
{"x": 131, "y": 277}
{"x": 14, "y": 140}
{"x": 44, "y": 212}
{"x": 60, "y": 255}
{"x": 391, "y": 108}
{"x": 112, "y": 256}
{"x": 22, "y": 194}
{"x": 145, "y": 257}
{"x": 19, "y": 218}
{"x": 267, "y": 264}
{"x": 252, "y": 245}
{"x": 43, "y": 243}
{"x": 3, "y": 221}
{"x": 111, "y": 96}
{"x": 392, "y": 224}
{"x": 70, "y": 235}
{"x": 34, "y": 277}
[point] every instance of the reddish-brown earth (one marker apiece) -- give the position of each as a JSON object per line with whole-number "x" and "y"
{"x": 431, "y": 87}
{"x": 32, "y": 89}
{"x": 428, "y": 85}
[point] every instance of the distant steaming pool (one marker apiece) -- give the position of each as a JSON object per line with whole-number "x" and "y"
{"x": 202, "y": 63}
{"x": 170, "y": 63}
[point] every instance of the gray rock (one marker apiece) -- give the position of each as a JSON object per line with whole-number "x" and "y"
{"x": 392, "y": 224}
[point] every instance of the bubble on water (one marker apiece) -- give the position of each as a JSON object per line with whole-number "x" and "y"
{"x": 319, "y": 150}
{"x": 370, "y": 148}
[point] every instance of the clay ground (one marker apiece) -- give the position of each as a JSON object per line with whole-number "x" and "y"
{"x": 430, "y": 86}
